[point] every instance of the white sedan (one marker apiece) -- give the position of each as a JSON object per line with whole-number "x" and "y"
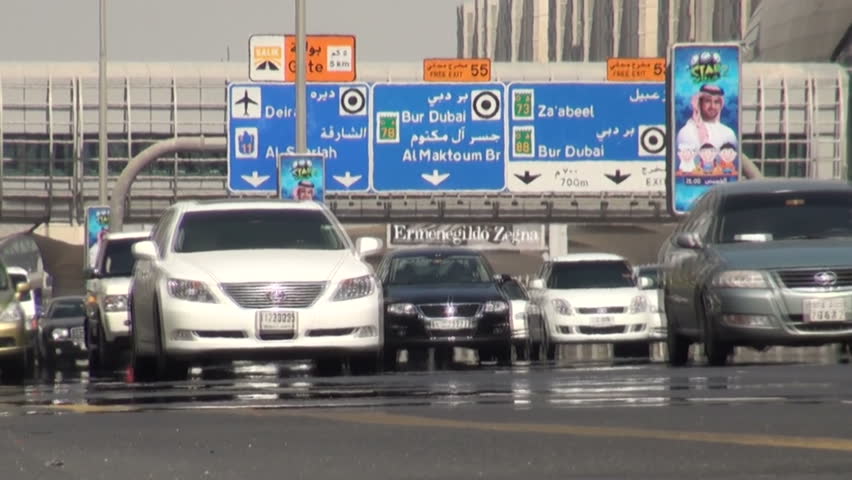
{"x": 259, "y": 279}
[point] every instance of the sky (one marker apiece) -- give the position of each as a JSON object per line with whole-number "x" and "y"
{"x": 205, "y": 30}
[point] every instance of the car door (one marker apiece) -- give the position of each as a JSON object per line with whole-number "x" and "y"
{"x": 145, "y": 278}
{"x": 687, "y": 264}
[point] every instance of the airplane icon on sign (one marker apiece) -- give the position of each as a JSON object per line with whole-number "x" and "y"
{"x": 245, "y": 102}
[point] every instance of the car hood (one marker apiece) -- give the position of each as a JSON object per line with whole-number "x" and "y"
{"x": 455, "y": 293}
{"x": 64, "y": 322}
{"x": 267, "y": 265}
{"x": 786, "y": 253}
{"x": 597, "y": 297}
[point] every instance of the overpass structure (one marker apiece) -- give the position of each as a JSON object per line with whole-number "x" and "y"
{"x": 795, "y": 124}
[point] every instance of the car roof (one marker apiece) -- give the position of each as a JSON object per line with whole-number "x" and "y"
{"x": 782, "y": 185}
{"x": 436, "y": 250}
{"x": 128, "y": 235}
{"x": 587, "y": 257}
{"x": 226, "y": 204}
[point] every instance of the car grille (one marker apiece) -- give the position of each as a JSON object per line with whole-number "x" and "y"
{"x": 286, "y": 294}
{"x": 804, "y": 278}
{"x": 443, "y": 310}
{"x": 600, "y": 310}
{"x": 601, "y": 330}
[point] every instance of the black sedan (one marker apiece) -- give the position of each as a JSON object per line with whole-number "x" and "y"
{"x": 443, "y": 298}
{"x": 60, "y": 331}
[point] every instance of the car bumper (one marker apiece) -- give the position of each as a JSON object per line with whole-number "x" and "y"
{"x": 589, "y": 329}
{"x": 225, "y": 331}
{"x": 775, "y": 317}
{"x": 116, "y": 325}
{"x": 14, "y": 340}
{"x": 657, "y": 326}
{"x": 67, "y": 348}
{"x": 410, "y": 331}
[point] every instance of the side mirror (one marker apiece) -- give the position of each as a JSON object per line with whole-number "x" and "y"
{"x": 688, "y": 240}
{"x": 537, "y": 284}
{"x": 645, "y": 283}
{"x": 366, "y": 246}
{"x": 502, "y": 277}
{"x": 144, "y": 250}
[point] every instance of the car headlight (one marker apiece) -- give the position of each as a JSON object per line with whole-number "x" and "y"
{"x": 495, "y": 306}
{"x": 59, "y": 333}
{"x": 115, "y": 303}
{"x": 401, "y": 309}
{"x": 352, "y": 288}
{"x": 11, "y": 314}
{"x": 740, "y": 279}
{"x": 639, "y": 304}
{"x": 561, "y": 306}
{"x": 190, "y": 290}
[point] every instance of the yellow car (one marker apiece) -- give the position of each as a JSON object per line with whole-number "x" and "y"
{"x": 16, "y": 336}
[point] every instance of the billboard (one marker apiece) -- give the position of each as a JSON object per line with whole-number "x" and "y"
{"x": 97, "y": 226}
{"x": 302, "y": 177}
{"x": 705, "y": 92}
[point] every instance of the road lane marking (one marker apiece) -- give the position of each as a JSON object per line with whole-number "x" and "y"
{"x": 745, "y": 439}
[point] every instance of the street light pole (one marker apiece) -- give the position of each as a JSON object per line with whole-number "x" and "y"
{"x": 301, "y": 73}
{"x": 102, "y": 108}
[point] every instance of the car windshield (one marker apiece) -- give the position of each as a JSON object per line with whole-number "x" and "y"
{"x": 590, "y": 274}
{"x": 18, "y": 278}
{"x": 118, "y": 258}
{"x": 786, "y": 216}
{"x": 67, "y": 309}
{"x": 438, "y": 269}
{"x": 257, "y": 229}
{"x": 514, "y": 290}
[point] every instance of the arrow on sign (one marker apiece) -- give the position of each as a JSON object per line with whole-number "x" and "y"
{"x": 347, "y": 180}
{"x": 435, "y": 178}
{"x": 527, "y": 178}
{"x": 618, "y": 177}
{"x": 254, "y": 179}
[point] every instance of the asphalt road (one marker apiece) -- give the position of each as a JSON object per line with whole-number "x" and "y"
{"x": 770, "y": 418}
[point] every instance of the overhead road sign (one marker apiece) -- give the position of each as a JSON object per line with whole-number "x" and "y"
{"x": 262, "y": 126}
{"x": 636, "y": 69}
{"x": 586, "y": 137}
{"x": 330, "y": 58}
{"x": 457, "y": 70}
{"x": 438, "y": 137}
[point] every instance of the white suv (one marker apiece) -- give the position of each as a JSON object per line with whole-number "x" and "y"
{"x": 107, "y": 285}
{"x": 591, "y": 298}
{"x": 253, "y": 279}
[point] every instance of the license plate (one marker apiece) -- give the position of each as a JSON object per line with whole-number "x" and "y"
{"x": 276, "y": 321}
{"x": 601, "y": 321}
{"x": 76, "y": 333}
{"x": 454, "y": 324}
{"x": 824, "y": 310}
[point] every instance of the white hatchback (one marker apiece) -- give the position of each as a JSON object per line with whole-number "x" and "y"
{"x": 253, "y": 279}
{"x": 590, "y": 298}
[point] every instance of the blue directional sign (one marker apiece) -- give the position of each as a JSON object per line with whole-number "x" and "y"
{"x": 575, "y": 137}
{"x": 438, "y": 137}
{"x": 262, "y": 127}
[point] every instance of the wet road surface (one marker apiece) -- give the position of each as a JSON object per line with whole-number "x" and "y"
{"x": 756, "y": 419}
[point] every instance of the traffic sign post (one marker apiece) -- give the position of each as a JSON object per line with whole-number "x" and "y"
{"x": 262, "y": 124}
{"x": 586, "y": 137}
{"x": 330, "y": 58}
{"x": 438, "y": 137}
{"x": 301, "y": 176}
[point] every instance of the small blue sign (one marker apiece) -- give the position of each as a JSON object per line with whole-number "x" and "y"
{"x": 559, "y": 122}
{"x": 262, "y": 127}
{"x": 438, "y": 137}
{"x": 97, "y": 226}
{"x": 302, "y": 177}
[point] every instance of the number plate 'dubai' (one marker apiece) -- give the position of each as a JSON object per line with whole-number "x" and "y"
{"x": 276, "y": 321}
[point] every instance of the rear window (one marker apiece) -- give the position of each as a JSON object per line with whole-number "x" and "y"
{"x": 118, "y": 259}
{"x": 591, "y": 274}
{"x": 514, "y": 290}
{"x": 789, "y": 215}
{"x": 67, "y": 309}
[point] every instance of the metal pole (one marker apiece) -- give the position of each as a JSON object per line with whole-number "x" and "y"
{"x": 301, "y": 73}
{"x": 102, "y": 109}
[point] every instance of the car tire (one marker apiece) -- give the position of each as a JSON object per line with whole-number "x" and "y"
{"x": 328, "y": 367}
{"x": 389, "y": 359}
{"x": 523, "y": 350}
{"x": 632, "y": 350}
{"x": 365, "y": 364}
{"x": 676, "y": 344}
{"x": 503, "y": 354}
{"x": 716, "y": 351}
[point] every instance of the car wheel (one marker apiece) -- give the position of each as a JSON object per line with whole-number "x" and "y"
{"x": 504, "y": 355}
{"x": 144, "y": 367}
{"x": 632, "y": 350}
{"x": 167, "y": 368}
{"x": 677, "y": 345}
{"x": 522, "y": 350}
{"x": 328, "y": 367}
{"x": 389, "y": 359}
{"x": 717, "y": 351}
{"x": 366, "y": 364}
{"x": 107, "y": 353}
